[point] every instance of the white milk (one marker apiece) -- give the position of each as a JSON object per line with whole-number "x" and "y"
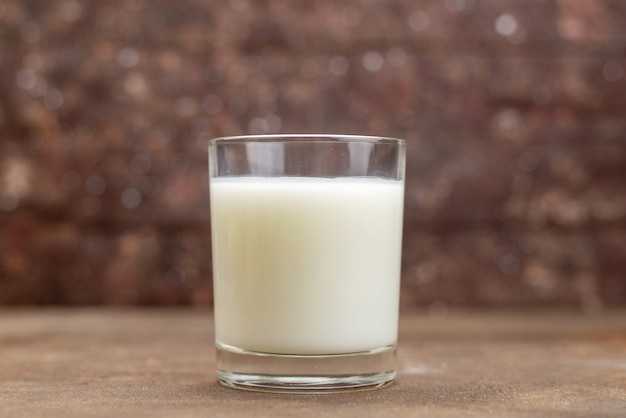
{"x": 306, "y": 265}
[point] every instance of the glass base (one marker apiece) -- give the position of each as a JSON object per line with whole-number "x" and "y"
{"x": 248, "y": 370}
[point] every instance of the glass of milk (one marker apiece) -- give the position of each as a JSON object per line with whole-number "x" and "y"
{"x": 306, "y": 242}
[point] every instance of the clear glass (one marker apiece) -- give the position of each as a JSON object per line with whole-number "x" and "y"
{"x": 306, "y": 240}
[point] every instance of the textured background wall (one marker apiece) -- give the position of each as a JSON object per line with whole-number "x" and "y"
{"x": 514, "y": 113}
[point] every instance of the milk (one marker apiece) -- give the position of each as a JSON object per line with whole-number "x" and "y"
{"x": 306, "y": 265}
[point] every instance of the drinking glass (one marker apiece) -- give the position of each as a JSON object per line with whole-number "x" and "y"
{"x": 306, "y": 245}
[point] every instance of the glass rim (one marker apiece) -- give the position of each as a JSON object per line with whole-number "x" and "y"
{"x": 309, "y": 138}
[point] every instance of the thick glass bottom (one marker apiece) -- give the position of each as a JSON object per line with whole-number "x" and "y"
{"x": 248, "y": 370}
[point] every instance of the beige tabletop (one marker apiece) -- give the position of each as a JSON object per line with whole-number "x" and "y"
{"x": 132, "y": 362}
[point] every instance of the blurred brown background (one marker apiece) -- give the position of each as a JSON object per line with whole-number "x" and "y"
{"x": 514, "y": 113}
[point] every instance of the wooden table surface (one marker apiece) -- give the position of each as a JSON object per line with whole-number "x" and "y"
{"x": 136, "y": 362}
